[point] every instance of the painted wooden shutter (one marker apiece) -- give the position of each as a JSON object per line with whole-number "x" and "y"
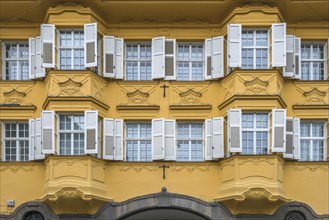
{"x": 170, "y": 59}
{"x": 170, "y": 139}
{"x": 208, "y": 140}
{"x": 91, "y": 131}
{"x": 279, "y": 45}
{"x": 31, "y": 138}
{"x": 207, "y": 59}
{"x": 108, "y": 140}
{"x": 217, "y": 57}
{"x": 39, "y": 70}
{"x": 118, "y": 64}
{"x": 234, "y": 32}
{"x": 279, "y": 130}
{"x": 289, "y": 69}
{"x": 32, "y": 58}
{"x": 158, "y": 57}
{"x": 108, "y": 56}
{"x": 48, "y": 132}
{"x": 289, "y": 153}
{"x": 297, "y": 49}
{"x": 48, "y": 45}
{"x": 218, "y": 137}
{"x": 158, "y": 138}
{"x": 296, "y": 138}
{"x": 234, "y": 130}
{"x": 90, "y": 45}
{"x": 38, "y": 155}
{"x": 118, "y": 141}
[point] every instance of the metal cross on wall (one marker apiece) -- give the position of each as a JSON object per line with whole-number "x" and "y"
{"x": 164, "y": 170}
{"x": 164, "y": 89}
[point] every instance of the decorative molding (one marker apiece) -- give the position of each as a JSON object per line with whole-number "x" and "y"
{"x": 190, "y": 97}
{"x": 138, "y": 167}
{"x": 314, "y": 93}
{"x": 70, "y": 88}
{"x": 311, "y": 167}
{"x": 69, "y": 162}
{"x": 190, "y": 167}
{"x": 256, "y": 161}
{"x": 15, "y": 94}
{"x": 256, "y": 86}
{"x": 14, "y": 167}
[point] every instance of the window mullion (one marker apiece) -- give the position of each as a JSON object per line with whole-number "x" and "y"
{"x": 17, "y": 142}
{"x": 138, "y": 142}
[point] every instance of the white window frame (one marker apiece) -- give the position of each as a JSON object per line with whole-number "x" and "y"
{"x": 72, "y": 132}
{"x": 254, "y": 47}
{"x": 190, "y": 60}
{"x": 255, "y": 130}
{"x": 311, "y": 60}
{"x": 17, "y": 139}
{"x": 311, "y": 138}
{"x": 4, "y": 60}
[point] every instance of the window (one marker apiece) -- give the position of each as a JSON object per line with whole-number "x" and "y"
{"x": 16, "y": 141}
{"x": 71, "y": 49}
{"x": 138, "y": 141}
{"x": 71, "y": 134}
{"x": 255, "y": 44}
{"x": 138, "y": 61}
{"x": 255, "y": 133}
{"x": 313, "y": 61}
{"x": 190, "y": 141}
{"x": 312, "y": 141}
{"x": 16, "y": 61}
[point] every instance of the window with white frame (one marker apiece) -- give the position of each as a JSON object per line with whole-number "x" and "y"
{"x": 138, "y": 61}
{"x": 138, "y": 141}
{"x": 190, "y": 141}
{"x": 255, "y": 133}
{"x": 255, "y": 49}
{"x": 312, "y": 141}
{"x": 313, "y": 61}
{"x": 16, "y": 61}
{"x": 71, "y": 49}
{"x": 190, "y": 61}
{"x": 15, "y": 141}
{"x": 71, "y": 134}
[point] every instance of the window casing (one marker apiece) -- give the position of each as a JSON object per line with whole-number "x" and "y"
{"x": 16, "y": 61}
{"x": 312, "y": 141}
{"x": 71, "y": 134}
{"x": 255, "y": 133}
{"x": 138, "y": 61}
{"x": 15, "y": 141}
{"x": 190, "y": 141}
{"x": 190, "y": 61}
{"x": 255, "y": 49}
{"x": 138, "y": 141}
{"x": 313, "y": 61}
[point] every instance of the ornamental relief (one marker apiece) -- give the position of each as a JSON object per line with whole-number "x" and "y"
{"x": 172, "y": 166}
{"x": 15, "y": 168}
{"x": 15, "y": 95}
{"x": 313, "y": 94}
{"x": 310, "y": 167}
{"x": 189, "y": 94}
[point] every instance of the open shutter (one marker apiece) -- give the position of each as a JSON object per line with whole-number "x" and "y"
{"x": 289, "y": 153}
{"x": 208, "y": 140}
{"x": 90, "y": 45}
{"x": 158, "y": 138}
{"x": 48, "y": 45}
{"x": 289, "y": 69}
{"x": 170, "y": 59}
{"x": 158, "y": 57}
{"x": 279, "y": 130}
{"x": 118, "y": 141}
{"x": 279, "y": 45}
{"x": 108, "y": 56}
{"x": 234, "y": 130}
{"x": 91, "y": 132}
{"x": 297, "y": 49}
{"x": 31, "y": 138}
{"x": 296, "y": 138}
{"x": 108, "y": 140}
{"x": 39, "y": 70}
{"x": 48, "y": 132}
{"x": 32, "y": 58}
{"x": 217, "y": 57}
{"x": 170, "y": 139}
{"x": 207, "y": 61}
{"x": 234, "y": 32}
{"x": 218, "y": 138}
{"x": 118, "y": 64}
{"x": 38, "y": 155}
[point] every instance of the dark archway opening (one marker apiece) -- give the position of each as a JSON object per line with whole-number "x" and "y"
{"x": 33, "y": 215}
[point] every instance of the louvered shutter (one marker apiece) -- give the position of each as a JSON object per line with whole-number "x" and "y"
{"x": 32, "y": 58}
{"x": 170, "y": 59}
{"x": 109, "y": 138}
{"x": 108, "y": 56}
{"x": 208, "y": 140}
{"x": 158, "y": 138}
{"x": 38, "y": 155}
{"x": 289, "y": 69}
{"x": 208, "y": 60}
{"x": 48, "y": 132}
{"x": 279, "y": 130}
{"x": 39, "y": 70}
{"x": 296, "y": 138}
{"x": 31, "y": 138}
{"x": 279, "y": 45}
{"x": 234, "y": 33}
{"x": 289, "y": 153}
{"x": 218, "y": 137}
{"x": 297, "y": 49}
{"x": 234, "y": 130}
{"x": 118, "y": 64}
{"x": 48, "y": 45}
{"x": 217, "y": 57}
{"x": 91, "y": 132}
{"x": 90, "y": 45}
{"x": 170, "y": 139}
{"x": 158, "y": 57}
{"x": 118, "y": 142}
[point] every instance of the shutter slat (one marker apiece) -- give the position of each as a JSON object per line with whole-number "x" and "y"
{"x": 170, "y": 59}
{"x": 91, "y": 132}
{"x": 208, "y": 141}
{"x": 279, "y": 130}
{"x": 39, "y": 70}
{"x": 234, "y": 130}
{"x": 48, "y": 134}
{"x": 234, "y": 32}
{"x": 208, "y": 59}
{"x": 32, "y": 58}
{"x": 296, "y": 139}
{"x": 297, "y": 48}
{"x": 217, "y": 57}
{"x": 31, "y": 139}
{"x": 118, "y": 141}
{"x": 289, "y": 153}
{"x": 158, "y": 57}
{"x": 38, "y": 146}
{"x": 158, "y": 138}
{"x": 108, "y": 56}
{"x": 108, "y": 141}
{"x": 218, "y": 138}
{"x": 289, "y": 69}
{"x": 170, "y": 140}
{"x": 90, "y": 45}
{"x": 279, "y": 45}
{"x": 118, "y": 64}
{"x": 48, "y": 45}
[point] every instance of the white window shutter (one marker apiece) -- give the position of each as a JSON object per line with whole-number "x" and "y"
{"x": 108, "y": 140}
{"x": 207, "y": 59}
{"x": 170, "y": 139}
{"x": 298, "y": 64}
{"x": 90, "y": 45}
{"x": 289, "y": 152}
{"x": 48, "y": 132}
{"x": 31, "y": 138}
{"x": 39, "y": 70}
{"x": 38, "y": 155}
{"x": 234, "y": 34}
{"x": 48, "y": 45}
{"x": 108, "y": 56}
{"x": 118, "y": 64}
{"x": 32, "y": 58}
{"x": 279, "y": 130}
{"x": 91, "y": 131}
{"x": 218, "y": 137}
{"x": 234, "y": 131}
{"x": 289, "y": 69}
{"x": 217, "y": 57}
{"x": 208, "y": 141}
{"x": 279, "y": 45}
{"x": 158, "y": 138}
{"x": 158, "y": 57}
{"x": 118, "y": 141}
{"x": 296, "y": 138}
{"x": 170, "y": 59}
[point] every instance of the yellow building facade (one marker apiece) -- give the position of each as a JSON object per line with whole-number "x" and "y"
{"x": 164, "y": 110}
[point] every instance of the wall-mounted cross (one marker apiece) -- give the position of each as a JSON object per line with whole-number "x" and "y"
{"x": 164, "y": 89}
{"x": 164, "y": 170}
